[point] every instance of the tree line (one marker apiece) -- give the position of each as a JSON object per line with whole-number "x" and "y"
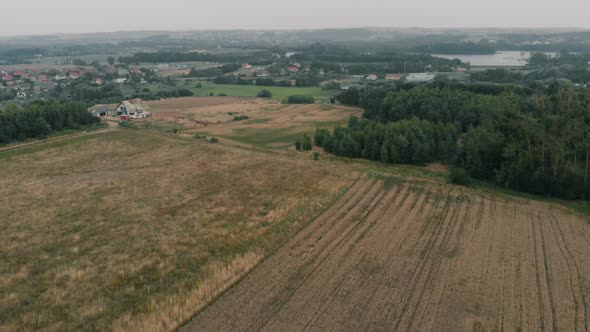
{"x": 538, "y": 142}
{"x": 40, "y": 118}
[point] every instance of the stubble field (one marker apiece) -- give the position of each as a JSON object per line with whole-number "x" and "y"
{"x": 397, "y": 256}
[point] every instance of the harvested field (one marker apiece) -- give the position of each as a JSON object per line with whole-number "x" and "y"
{"x": 395, "y": 255}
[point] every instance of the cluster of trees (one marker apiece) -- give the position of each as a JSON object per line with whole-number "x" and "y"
{"x": 40, "y": 118}
{"x": 163, "y": 57}
{"x": 236, "y": 80}
{"x": 304, "y": 144}
{"x": 254, "y": 58}
{"x": 536, "y": 142}
{"x": 412, "y": 141}
{"x": 300, "y": 99}
{"x": 215, "y": 71}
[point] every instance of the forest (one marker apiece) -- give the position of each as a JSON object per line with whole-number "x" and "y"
{"x": 39, "y": 118}
{"x": 537, "y": 141}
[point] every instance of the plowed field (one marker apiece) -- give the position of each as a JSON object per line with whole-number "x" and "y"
{"x": 391, "y": 255}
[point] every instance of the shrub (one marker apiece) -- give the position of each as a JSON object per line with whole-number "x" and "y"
{"x": 306, "y": 146}
{"x": 213, "y": 140}
{"x": 300, "y": 99}
{"x": 298, "y": 145}
{"x": 264, "y": 94}
{"x": 316, "y": 155}
{"x": 459, "y": 176}
{"x": 240, "y": 117}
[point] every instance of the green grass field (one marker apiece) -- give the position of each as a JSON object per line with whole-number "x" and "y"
{"x": 251, "y": 91}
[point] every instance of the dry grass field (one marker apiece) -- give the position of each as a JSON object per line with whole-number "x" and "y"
{"x": 137, "y": 229}
{"x": 142, "y": 228}
{"x": 393, "y": 255}
{"x": 270, "y": 124}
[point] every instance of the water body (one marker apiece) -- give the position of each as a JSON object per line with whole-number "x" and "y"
{"x": 501, "y": 58}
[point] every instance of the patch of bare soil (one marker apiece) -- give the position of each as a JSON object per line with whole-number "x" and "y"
{"x": 410, "y": 257}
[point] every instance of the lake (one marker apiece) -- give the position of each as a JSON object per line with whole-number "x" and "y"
{"x": 501, "y": 58}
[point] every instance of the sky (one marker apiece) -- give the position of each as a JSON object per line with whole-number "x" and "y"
{"x": 26, "y": 17}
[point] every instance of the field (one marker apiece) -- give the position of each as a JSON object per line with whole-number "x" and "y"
{"x": 270, "y": 124}
{"x": 403, "y": 255}
{"x": 136, "y": 229}
{"x": 142, "y": 228}
{"x": 251, "y": 91}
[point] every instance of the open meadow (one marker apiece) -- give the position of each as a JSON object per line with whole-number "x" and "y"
{"x": 267, "y": 123}
{"x": 151, "y": 228}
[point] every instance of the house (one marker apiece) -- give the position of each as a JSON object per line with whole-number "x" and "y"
{"x": 101, "y": 110}
{"x": 262, "y": 73}
{"x": 372, "y": 77}
{"x": 322, "y": 72}
{"x": 293, "y": 69}
{"x": 120, "y": 80}
{"x": 7, "y": 77}
{"x": 98, "y": 81}
{"x": 246, "y": 66}
{"x": 123, "y": 72}
{"x": 132, "y": 109}
{"x": 74, "y": 75}
{"x": 394, "y": 77}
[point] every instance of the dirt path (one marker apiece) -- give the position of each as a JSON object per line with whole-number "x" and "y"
{"x": 418, "y": 258}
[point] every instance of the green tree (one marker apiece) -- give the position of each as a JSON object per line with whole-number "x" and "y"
{"x": 264, "y": 94}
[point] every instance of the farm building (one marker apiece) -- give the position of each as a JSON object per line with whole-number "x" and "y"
{"x": 394, "y": 77}
{"x": 132, "y": 109}
{"x": 420, "y": 77}
{"x": 101, "y": 110}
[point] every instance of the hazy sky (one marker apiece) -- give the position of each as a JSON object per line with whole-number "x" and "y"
{"x": 19, "y": 17}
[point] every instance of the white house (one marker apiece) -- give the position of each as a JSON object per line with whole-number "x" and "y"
{"x": 132, "y": 109}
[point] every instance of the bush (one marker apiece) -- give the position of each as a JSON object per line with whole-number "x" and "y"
{"x": 213, "y": 140}
{"x": 240, "y": 117}
{"x": 459, "y": 176}
{"x": 306, "y": 145}
{"x": 300, "y": 99}
{"x": 316, "y": 155}
{"x": 264, "y": 94}
{"x": 298, "y": 145}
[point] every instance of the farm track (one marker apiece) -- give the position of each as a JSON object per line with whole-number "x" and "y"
{"x": 409, "y": 258}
